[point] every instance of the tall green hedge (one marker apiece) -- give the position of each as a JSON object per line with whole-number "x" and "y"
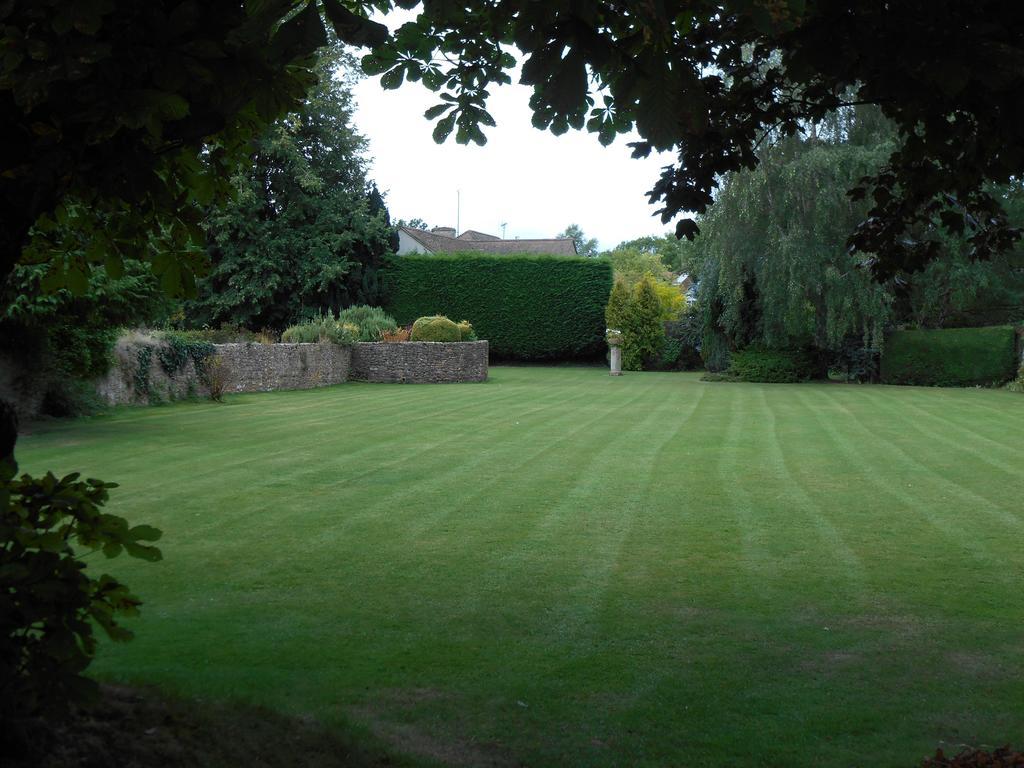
{"x": 529, "y": 307}
{"x": 950, "y": 357}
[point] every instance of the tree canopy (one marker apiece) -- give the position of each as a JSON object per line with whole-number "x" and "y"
{"x": 585, "y": 246}
{"x": 135, "y": 114}
{"x": 123, "y": 120}
{"x": 305, "y": 231}
{"x": 775, "y": 270}
{"x": 675, "y": 254}
{"x": 773, "y": 246}
{"x": 710, "y": 80}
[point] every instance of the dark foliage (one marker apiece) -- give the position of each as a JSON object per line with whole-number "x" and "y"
{"x": 682, "y": 341}
{"x": 855, "y": 361}
{"x": 111, "y": 103}
{"x": 528, "y": 307}
{"x": 1002, "y": 757}
{"x": 710, "y": 79}
{"x": 62, "y": 339}
{"x": 306, "y": 232}
{"x": 173, "y": 350}
{"x": 772, "y": 366}
{"x": 178, "y": 349}
{"x": 230, "y": 334}
{"x": 123, "y": 120}
{"x": 950, "y": 357}
{"x": 145, "y": 728}
{"x": 48, "y": 604}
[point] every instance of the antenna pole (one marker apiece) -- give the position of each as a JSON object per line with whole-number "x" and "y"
{"x": 458, "y": 209}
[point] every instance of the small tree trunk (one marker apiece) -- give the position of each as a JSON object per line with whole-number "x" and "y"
{"x": 8, "y": 431}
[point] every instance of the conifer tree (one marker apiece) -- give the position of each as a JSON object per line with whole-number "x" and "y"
{"x": 644, "y": 333}
{"x": 618, "y": 306}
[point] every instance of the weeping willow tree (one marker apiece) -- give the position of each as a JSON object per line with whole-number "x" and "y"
{"x": 776, "y": 270}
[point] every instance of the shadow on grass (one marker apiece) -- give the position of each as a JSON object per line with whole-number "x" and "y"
{"x": 142, "y": 728}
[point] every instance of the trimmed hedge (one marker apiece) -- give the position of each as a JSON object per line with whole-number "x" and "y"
{"x": 771, "y": 366}
{"x": 528, "y": 307}
{"x": 950, "y": 357}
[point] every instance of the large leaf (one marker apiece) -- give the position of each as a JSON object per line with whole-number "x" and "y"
{"x": 352, "y": 28}
{"x": 302, "y": 34}
{"x": 443, "y": 128}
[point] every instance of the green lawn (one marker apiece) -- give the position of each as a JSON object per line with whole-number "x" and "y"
{"x": 561, "y": 567}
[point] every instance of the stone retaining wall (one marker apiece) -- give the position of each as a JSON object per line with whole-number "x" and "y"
{"x": 244, "y": 367}
{"x": 127, "y": 384}
{"x": 267, "y": 367}
{"x": 251, "y": 367}
{"x": 420, "y": 362}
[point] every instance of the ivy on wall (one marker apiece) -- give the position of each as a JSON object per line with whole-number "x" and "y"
{"x": 173, "y": 352}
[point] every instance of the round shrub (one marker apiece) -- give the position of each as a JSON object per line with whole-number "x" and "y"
{"x": 435, "y": 328}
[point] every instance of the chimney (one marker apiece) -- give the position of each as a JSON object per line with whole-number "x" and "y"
{"x": 443, "y": 231}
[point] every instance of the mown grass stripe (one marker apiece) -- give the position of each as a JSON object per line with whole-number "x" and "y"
{"x": 665, "y": 584}
{"x": 882, "y": 470}
{"x": 784, "y": 456}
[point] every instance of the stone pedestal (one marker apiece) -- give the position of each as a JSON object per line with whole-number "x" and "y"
{"x": 616, "y": 361}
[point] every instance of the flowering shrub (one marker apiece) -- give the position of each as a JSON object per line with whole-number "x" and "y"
{"x": 397, "y": 335}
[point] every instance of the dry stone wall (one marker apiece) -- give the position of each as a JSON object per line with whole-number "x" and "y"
{"x": 267, "y": 367}
{"x": 137, "y": 377}
{"x": 420, "y": 362}
{"x": 243, "y": 367}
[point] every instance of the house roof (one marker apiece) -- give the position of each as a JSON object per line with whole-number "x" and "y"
{"x": 435, "y": 243}
{"x": 472, "y": 234}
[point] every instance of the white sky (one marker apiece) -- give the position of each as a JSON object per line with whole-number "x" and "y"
{"x": 534, "y": 181}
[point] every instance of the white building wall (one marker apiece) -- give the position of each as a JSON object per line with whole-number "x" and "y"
{"x": 407, "y": 245}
